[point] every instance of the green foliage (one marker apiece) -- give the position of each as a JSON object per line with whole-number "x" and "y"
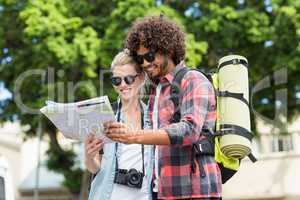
{"x": 194, "y": 51}
{"x": 63, "y": 161}
{"x": 60, "y": 161}
{"x": 73, "y": 179}
{"x": 64, "y": 36}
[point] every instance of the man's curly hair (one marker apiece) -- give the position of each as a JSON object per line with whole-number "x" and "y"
{"x": 159, "y": 34}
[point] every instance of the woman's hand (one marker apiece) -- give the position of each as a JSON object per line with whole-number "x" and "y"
{"x": 92, "y": 147}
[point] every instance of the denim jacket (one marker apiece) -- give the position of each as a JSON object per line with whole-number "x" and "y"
{"x": 102, "y": 184}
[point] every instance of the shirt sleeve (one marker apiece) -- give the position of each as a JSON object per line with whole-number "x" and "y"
{"x": 197, "y": 94}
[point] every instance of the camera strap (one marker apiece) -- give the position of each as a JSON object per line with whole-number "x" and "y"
{"x": 116, "y": 145}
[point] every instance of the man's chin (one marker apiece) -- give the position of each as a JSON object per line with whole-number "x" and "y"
{"x": 152, "y": 76}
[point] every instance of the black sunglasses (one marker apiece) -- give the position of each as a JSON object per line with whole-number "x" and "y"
{"x": 117, "y": 80}
{"x": 149, "y": 57}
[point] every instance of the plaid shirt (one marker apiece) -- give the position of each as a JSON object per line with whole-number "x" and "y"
{"x": 198, "y": 109}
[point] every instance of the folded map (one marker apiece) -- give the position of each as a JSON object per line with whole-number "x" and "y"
{"x": 79, "y": 119}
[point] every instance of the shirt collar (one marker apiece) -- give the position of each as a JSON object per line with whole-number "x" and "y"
{"x": 170, "y": 76}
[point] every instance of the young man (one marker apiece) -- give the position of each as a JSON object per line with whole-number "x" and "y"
{"x": 158, "y": 45}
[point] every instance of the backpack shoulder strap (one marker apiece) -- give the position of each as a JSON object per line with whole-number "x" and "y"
{"x": 203, "y": 147}
{"x": 176, "y": 93}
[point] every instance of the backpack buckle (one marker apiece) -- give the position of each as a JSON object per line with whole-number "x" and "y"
{"x": 200, "y": 148}
{"x": 236, "y": 61}
{"x": 204, "y": 147}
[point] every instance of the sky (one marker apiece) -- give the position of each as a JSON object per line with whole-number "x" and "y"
{"x": 4, "y": 93}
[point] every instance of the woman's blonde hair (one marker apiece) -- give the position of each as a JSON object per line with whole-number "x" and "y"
{"x": 124, "y": 58}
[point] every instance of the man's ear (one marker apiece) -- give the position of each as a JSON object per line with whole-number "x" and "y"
{"x": 171, "y": 56}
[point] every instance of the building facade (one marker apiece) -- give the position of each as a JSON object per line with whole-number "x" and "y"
{"x": 18, "y": 168}
{"x": 276, "y": 174}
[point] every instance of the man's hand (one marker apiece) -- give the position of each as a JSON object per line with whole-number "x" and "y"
{"x": 119, "y": 132}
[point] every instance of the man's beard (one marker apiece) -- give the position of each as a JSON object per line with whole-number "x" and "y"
{"x": 163, "y": 70}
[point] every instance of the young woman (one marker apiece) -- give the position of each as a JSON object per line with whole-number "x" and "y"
{"x": 123, "y": 171}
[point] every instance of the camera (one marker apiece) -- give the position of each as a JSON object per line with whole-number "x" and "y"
{"x": 131, "y": 178}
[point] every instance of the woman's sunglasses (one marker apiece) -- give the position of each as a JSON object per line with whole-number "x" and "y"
{"x": 117, "y": 80}
{"x": 149, "y": 57}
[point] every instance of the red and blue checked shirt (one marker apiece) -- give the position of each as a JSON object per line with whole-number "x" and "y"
{"x": 198, "y": 110}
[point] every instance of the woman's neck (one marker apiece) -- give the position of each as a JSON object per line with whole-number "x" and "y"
{"x": 130, "y": 105}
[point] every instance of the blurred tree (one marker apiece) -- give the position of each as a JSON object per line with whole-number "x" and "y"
{"x": 266, "y": 32}
{"x": 75, "y": 40}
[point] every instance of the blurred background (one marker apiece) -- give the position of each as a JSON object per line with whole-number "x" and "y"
{"x": 60, "y": 50}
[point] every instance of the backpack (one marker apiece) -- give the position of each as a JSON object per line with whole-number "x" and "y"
{"x": 230, "y": 142}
